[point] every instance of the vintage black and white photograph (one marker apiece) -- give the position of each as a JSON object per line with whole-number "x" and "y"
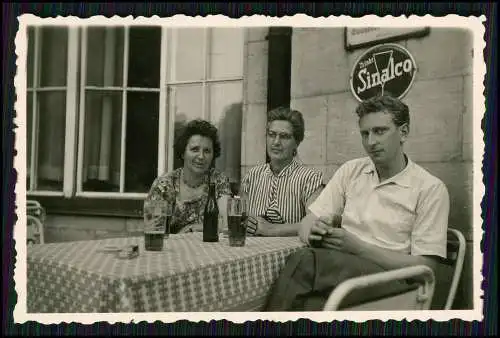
{"x": 242, "y": 169}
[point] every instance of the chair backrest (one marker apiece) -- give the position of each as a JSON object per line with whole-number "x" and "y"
{"x": 36, "y": 218}
{"x": 38, "y": 230}
{"x": 456, "y": 247}
{"x": 34, "y": 208}
{"x": 33, "y": 203}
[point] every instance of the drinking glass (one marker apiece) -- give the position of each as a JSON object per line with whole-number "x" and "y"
{"x": 236, "y": 221}
{"x": 157, "y": 217}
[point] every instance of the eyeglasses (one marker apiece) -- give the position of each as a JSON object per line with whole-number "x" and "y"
{"x": 282, "y": 136}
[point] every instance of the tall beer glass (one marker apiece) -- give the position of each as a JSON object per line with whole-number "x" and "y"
{"x": 236, "y": 220}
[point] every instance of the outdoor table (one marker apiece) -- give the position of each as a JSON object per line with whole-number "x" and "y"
{"x": 188, "y": 275}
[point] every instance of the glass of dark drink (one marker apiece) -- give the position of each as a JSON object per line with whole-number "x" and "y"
{"x": 157, "y": 217}
{"x": 153, "y": 240}
{"x": 236, "y": 221}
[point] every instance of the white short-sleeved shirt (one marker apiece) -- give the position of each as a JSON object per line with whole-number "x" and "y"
{"x": 407, "y": 213}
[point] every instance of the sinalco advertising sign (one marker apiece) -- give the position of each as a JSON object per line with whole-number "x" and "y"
{"x": 386, "y": 68}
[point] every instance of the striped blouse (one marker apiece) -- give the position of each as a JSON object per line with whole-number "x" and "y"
{"x": 280, "y": 198}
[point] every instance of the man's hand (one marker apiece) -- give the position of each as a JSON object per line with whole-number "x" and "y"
{"x": 323, "y": 226}
{"x": 342, "y": 240}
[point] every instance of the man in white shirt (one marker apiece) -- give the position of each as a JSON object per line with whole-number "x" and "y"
{"x": 393, "y": 212}
{"x": 382, "y": 211}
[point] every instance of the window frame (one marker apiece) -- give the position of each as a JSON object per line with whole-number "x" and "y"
{"x": 70, "y": 112}
{"x": 74, "y": 201}
{"x": 205, "y": 82}
{"x": 124, "y": 89}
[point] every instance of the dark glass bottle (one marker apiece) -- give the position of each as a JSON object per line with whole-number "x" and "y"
{"x": 211, "y": 216}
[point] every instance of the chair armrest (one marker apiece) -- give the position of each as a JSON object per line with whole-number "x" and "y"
{"x": 421, "y": 273}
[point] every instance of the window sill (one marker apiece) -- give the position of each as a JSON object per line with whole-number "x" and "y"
{"x": 131, "y": 208}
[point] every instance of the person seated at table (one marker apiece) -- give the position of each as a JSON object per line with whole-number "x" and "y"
{"x": 279, "y": 192}
{"x": 377, "y": 213}
{"x": 186, "y": 188}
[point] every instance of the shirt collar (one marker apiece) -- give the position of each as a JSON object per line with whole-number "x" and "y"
{"x": 403, "y": 178}
{"x": 286, "y": 170}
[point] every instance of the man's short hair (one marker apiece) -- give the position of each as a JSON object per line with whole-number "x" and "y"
{"x": 385, "y": 103}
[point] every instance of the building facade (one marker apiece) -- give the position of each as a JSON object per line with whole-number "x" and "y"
{"x": 440, "y": 102}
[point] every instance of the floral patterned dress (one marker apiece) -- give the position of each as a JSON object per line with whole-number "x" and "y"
{"x": 188, "y": 212}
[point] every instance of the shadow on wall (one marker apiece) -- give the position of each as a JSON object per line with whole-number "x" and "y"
{"x": 230, "y": 126}
{"x": 180, "y": 123}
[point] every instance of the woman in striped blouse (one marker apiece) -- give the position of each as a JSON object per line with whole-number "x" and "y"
{"x": 279, "y": 192}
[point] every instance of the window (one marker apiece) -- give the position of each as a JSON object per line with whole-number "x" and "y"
{"x": 205, "y": 79}
{"x": 105, "y": 104}
{"x": 119, "y": 109}
{"x": 50, "y": 51}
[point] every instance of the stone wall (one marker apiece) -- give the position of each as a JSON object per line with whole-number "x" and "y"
{"x": 440, "y": 102}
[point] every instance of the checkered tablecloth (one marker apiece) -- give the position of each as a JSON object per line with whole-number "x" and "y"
{"x": 188, "y": 275}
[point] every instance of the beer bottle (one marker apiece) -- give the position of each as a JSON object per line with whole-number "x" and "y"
{"x": 211, "y": 216}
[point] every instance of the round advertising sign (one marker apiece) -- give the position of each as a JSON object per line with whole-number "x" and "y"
{"x": 386, "y": 68}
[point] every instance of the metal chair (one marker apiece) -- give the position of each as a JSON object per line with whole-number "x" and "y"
{"x": 34, "y": 234}
{"x": 35, "y": 221}
{"x": 34, "y": 208}
{"x": 455, "y": 257}
{"x": 418, "y": 296}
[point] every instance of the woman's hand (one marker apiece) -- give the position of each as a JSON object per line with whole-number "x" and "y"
{"x": 264, "y": 228}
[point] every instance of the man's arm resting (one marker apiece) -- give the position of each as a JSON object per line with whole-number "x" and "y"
{"x": 305, "y": 227}
{"x": 340, "y": 239}
{"x": 390, "y": 260}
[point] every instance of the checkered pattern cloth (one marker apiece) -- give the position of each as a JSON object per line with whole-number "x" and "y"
{"x": 188, "y": 275}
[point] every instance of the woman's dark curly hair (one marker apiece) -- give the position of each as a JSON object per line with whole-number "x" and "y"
{"x": 196, "y": 127}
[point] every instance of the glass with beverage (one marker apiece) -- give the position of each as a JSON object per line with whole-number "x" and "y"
{"x": 157, "y": 217}
{"x": 236, "y": 221}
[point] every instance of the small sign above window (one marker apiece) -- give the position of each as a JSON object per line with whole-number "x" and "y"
{"x": 387, "y": 68}
{"x": 359, "y": 37}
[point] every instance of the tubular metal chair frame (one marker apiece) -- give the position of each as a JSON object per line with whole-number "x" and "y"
{"x": 455, "y": 257}
{"x": 424, "y": 293}
{"x": 36, "y": 208}
{"x": 458, "y": 263}
{"x": 36, "y": 215}
{"x": 38, "y": 224}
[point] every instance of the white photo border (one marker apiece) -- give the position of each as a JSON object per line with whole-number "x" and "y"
{"x": 474, "y": 24}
